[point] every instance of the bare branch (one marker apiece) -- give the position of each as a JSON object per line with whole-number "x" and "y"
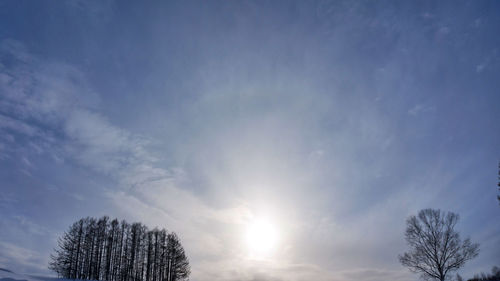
{"x": 436, "y": 248}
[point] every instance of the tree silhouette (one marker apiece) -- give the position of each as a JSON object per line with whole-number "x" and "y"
{"x": 436, "y": 248}
{"x": 102, "y": 250}
{"x": 494, "y": 276}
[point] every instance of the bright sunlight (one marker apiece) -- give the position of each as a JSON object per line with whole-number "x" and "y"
{"x": 262, "y": 238}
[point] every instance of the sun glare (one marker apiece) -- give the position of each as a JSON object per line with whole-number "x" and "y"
{"x": 262, "y": 238}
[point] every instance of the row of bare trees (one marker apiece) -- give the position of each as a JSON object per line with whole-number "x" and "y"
{"x": 100, "y": 249}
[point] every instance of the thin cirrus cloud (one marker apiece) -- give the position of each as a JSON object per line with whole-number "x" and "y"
{"x": 55, "y": 119}
{"x": 335, "y": 120}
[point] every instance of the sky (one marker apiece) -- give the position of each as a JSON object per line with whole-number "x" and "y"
{"x": 332, "y": 120}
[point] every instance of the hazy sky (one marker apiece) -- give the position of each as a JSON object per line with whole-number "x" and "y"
{"x": 334, "y": 120}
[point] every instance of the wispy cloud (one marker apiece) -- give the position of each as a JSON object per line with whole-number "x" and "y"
{"x": 146, "y": 192}
{"x": 334, "y": 119}
{"x": 48, "y": 103}
{"x": 22, "y": 258}
{"x": 420, "y": 109}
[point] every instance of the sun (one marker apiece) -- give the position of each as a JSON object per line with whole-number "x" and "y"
{"x": 261, "y": 238}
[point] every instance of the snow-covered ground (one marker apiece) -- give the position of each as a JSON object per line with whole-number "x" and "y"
{"x": 7, "y": 275}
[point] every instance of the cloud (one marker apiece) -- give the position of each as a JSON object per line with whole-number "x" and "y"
{"x": 52, "y": 105}
{"x": 41, "y": 103}
{"x": 30, "y": 226}
{"x": 9, "y": 124}
{"x": 7, "y": 199}
{"x": 14, "y": 256}
{"x": 419, "y": 109}
{"x": 375, "y": 274}
{"x": 202, "y": 125}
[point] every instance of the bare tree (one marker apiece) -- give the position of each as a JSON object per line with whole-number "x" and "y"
{"x": 436, "y": 247}
{"x": 178, "y": 264}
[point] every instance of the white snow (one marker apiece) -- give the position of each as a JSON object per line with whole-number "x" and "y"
{"x": 7, "y": 275}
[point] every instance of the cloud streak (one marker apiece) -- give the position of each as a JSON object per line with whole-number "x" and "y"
{"x": 335, "y": 120}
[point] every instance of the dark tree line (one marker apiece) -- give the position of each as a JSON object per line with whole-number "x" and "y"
{"x": 100, "y": 249}
{"x": 494, "y": 276}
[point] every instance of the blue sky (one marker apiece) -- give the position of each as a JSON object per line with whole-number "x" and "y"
{"x": 336, "y": 120}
